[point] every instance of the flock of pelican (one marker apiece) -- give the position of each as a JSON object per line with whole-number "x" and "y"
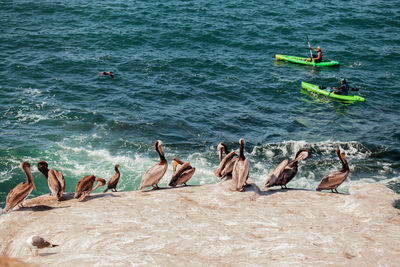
{"x": 231, "y": 166}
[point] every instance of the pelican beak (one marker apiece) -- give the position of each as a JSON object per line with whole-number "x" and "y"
{"x": 343, "y": 158}
{"x": 220, "y": 151}
{"x": 303, "y": 155}
{"x": 174, "y": 164}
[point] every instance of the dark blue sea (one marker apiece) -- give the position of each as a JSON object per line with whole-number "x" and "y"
{"x": 193, "y": 74}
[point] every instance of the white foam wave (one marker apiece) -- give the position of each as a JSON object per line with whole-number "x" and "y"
{"x": 32, "y": 91}
{"x": 356, "y": 64}
{"x": 30, "y": 118}
{"x": 308, "y": 180}
{"x": 5, "y": 175}
{"x": 204, "y": 169}
{"x": 79, "y": 161}
{"x": 288, "y": 149}
{"x": 394, "y": 179}
{"x": 12, "y": 166}
{"x": 76, "y": 162}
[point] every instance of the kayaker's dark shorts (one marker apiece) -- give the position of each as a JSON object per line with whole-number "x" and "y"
{"x": 316, "y": 60}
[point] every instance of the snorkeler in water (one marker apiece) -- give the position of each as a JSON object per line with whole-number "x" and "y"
{"x": 110, "y": 73}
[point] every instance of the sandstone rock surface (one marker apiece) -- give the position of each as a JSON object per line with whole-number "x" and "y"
{"x": 210, "y": 225}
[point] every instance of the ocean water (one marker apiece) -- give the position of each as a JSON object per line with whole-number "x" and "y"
{"x": 193, "y": 74}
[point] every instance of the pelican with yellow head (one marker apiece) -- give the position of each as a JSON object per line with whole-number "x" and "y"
{"x": 183, "y": 174}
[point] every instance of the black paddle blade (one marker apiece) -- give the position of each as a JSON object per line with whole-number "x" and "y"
{"x": 354, "y": 89}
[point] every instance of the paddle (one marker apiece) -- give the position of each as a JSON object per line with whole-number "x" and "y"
{"x": 351, "y": 89}
{"x": 309, "y": 46}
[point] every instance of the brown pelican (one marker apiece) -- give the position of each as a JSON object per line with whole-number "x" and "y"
{"x": 85, "y": 186}
{"x": 110, "y": 73}
{"x": 36, "y": 242}
{"x": 286, "y": 170}
{"x": 55, "y": 179}
{"x": 226, "y": 165}
{"x": 19, "y": 193}
{"x": 183, "y": 174}
{"x": 153, "y": 175}
{"x": 334, "y": 179}
{"x": 112, "y": 183}
{"x": 240, "y": 171}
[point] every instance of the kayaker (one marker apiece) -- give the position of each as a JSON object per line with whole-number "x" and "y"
{"x": 343, "y": 89}
{"x": 316, "y": 57}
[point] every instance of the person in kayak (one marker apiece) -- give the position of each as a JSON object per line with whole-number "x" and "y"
{"x": 343, "y": 89}
{"x": 316, "y": 57}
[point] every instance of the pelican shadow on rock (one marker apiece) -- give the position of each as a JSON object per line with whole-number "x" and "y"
{"x": 329, "y": 192}
{"x": 289, "y": 189}
{"x": 47, "y": 254}
{"x": 272, "y": 191}
{"x": 183, "y": 186}
{"x": 155, "y": 189}
{"x": 98, "y": 196}
{"x": 257, "y": 190}
{"x": 67, "y": 196}
{"x": 40, "y": 208}
{"x": 70, "y": 195}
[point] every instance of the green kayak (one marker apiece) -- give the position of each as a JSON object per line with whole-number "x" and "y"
{"x": 315, "y": 88}
{"x": 302, "y": 60}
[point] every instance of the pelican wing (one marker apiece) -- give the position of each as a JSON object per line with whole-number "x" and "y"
{"x": 287, "y": 175}
{"x": 183, "y": 175}
{"x": 54, "y": 184}
{"x": 153, "y": 175}
{"x": 61, "y": 180}
{"x": 290, "y": 170}
{"x": 274, "y": 175}
{"x": 87, "y": 186}
{"x": 84, "y": 184}
{"x": 240, "y": 174}
{"x": 17, "y": 195}
{"x": 77, "y": 189}
{"x": 229, "y": 167}
{"x": 332, "y": 180}
{"x": 186, "y": 175}
{"x": 226, "y": 165}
